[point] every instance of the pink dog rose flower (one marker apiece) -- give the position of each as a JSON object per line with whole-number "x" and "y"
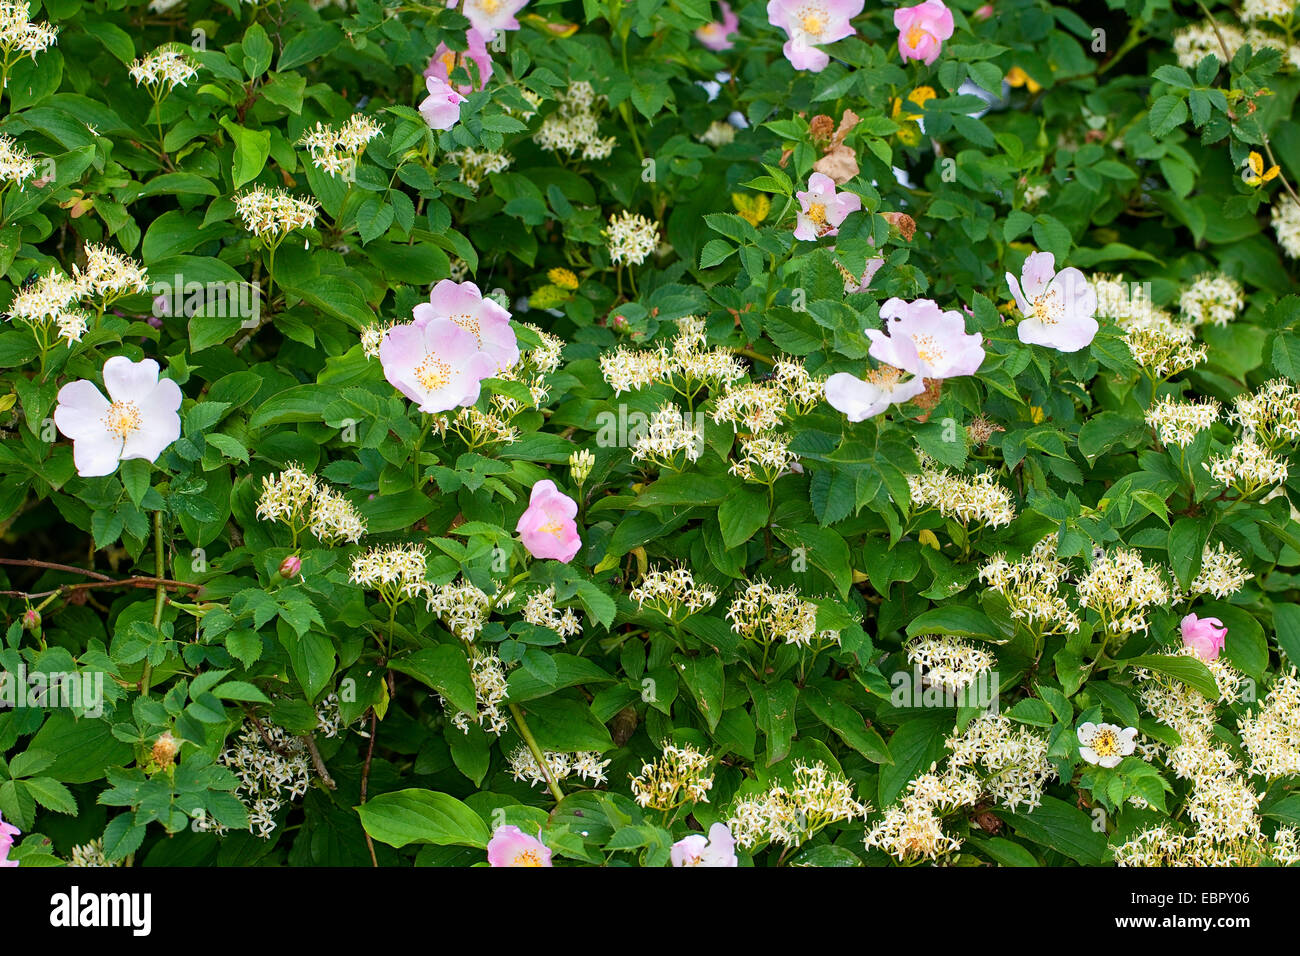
{"x": 547, "y": 526}
{"x": 1057, "y": 307}
{"x": 511, "y": 846}
{"x": 860, "y": 400}
{"x": 925, "y": 340}
{"x": 822, "y": 209}
{"x": 489, "y": 16}
{"x": 437, "y": 365}
{"x": 922, "y": 30}
{"x": 7, "y": 833}
{"x": 717, "y": 849}
{"x": 1204, "y": 635}
{"x": 137, "y": 420}
{"x": 716, "y": 35}
{"x": 811, "y": 23}
{"x": 445, "y": 60}
{"x": 441, "y": 109}
{"x": 482, "y": 317}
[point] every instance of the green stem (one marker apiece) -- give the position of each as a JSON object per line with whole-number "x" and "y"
{"x": 531, "y": 742}
{"x": 160, "y": 595}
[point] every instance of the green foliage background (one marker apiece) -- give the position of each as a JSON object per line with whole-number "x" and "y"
{"x": 1139, "y": 160}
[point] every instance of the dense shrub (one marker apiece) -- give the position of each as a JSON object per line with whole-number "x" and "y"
{"x": 801, "y": 433}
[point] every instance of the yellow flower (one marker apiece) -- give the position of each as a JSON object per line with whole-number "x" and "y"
{"x": 753, "y": 209}
{"x": 564, "y": 278}
{"x": 1017, "y": 77}
{"x": 1253, "y": 173}
{"x": 910, "y": 134}
{"x": 921, "y": 94}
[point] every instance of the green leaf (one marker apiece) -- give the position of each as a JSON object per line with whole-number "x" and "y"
{"x": 1061, "y": 826}
{"x": 1189, "y": 670}
{"x": 422, "y": 816}
{"x": 252, "y": 147}
{"x": 444, "y": 668}
{"x": 848, "y": 725}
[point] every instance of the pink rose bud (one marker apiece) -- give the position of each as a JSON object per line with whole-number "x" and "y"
{"x": 290, "y": 566}
{"x": 31, "y": 620}
{"x": 1204, "y": 635}
{"x": 922, "y": 30}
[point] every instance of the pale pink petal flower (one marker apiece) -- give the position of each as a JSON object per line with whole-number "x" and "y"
{"x": 809, "y": 24}
{"x": 482, "y": 317}
{"x": 441, "y": 109}
{"x": 860, "y": 400}
{"x": 138, "y": 419}
{"x": 7, "y": 833}
{"x": 1057, "y": 307}
{"x": 489, "y": 16}
{"x": 511, "y": 846}
{"x": 822, "y": 209}
{"x": 717, "y": 35}
{"x": 922, "y": 30}
{"x": 547, "y": 526}
{"x": 852, "y": 287}
{"x": 717, "y": 849}
{"x": 445, "y": 59}
{"x": 1204, "y": 635}
{"x": 925, "y": 340}
{"x": 438, "y": 365}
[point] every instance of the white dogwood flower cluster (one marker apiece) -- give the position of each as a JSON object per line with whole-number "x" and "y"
{"x": 540, "y": 610}
{"x": 766, "y": 614}
{"x": 1222, "y": 807}
{"x": 673, "y": 593}
{"x": 1249, "y": 467}
{"x": 630, "y": 238}
{"x": 16, "y": 164}
{"x": 164, "y": 69}
{"x": 679, "y": 776}
{"x": 1213, "y": 298}
{"x": 671, "y": 440}
{"x": 1120, "y": 588}
{"x": 585, "y": 765}
{"x": 1032, "y": 588}
{"x": 574, "y": 127}
{"x": 271, "y": 214}
{"x": 47, "y": 304}
{"x": 1178, "y": 422}
{"x": 949, "y": 662}
{"x": 303, "y": 503}
{"x": 816, "y": 797}
{"x": 273, "y": 767}
{"x": 491, "y": 693}
{"x": 1270, "y": 414}
{"x": 1272, "y": 735}
{"x": 977, "y": 500}
{"x": 336, "y": 150}
{"x": 461, "y": 605}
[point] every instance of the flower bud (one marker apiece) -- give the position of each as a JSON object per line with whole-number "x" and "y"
{"x": 31, "y": 619}
{"x": 580, "y": 462}
{"x": 290, "y": 566}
